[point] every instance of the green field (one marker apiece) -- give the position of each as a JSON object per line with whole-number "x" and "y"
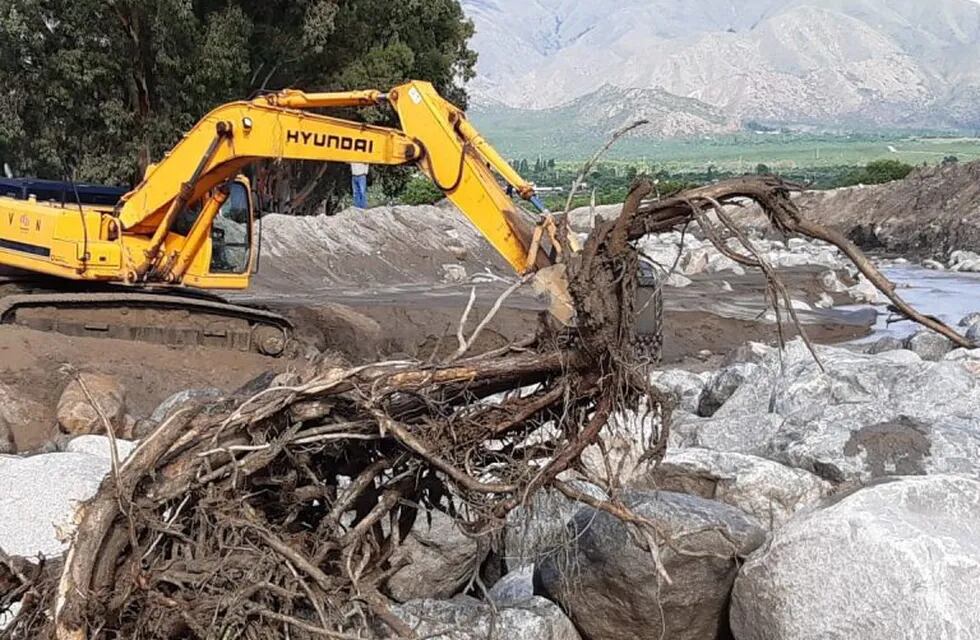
{"x": 742, "y": 152}
{"x": 534, "y": 137}
{"x": 786, "y": 152}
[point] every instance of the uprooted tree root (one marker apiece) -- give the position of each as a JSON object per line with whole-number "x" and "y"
{"x": 283, "y": 515}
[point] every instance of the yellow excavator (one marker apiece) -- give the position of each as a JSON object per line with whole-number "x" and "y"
{"x": 188, "y": 227}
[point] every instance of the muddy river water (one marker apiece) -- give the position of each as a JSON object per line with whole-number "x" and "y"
{"x": 947, "y": 295}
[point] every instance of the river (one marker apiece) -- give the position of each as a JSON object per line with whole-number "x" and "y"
{"x": 947, "y": 295}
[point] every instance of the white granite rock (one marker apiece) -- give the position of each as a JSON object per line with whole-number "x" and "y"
{"x": 899, "y": 559}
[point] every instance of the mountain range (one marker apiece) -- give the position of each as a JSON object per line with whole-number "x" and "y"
{"x": 704, "y": 66}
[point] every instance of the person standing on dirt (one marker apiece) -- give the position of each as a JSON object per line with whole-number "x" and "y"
{"x": 359, "y": 174}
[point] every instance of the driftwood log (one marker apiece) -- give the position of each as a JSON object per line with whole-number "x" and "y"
{"x": 282, "y": 513}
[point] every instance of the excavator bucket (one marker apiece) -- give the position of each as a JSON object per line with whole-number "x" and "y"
{"x": 553, "y": 282}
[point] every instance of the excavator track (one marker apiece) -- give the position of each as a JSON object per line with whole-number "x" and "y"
{"x": 160, "y": 318}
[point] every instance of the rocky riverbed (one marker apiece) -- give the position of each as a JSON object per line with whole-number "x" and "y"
{"x": 802, "y": 495}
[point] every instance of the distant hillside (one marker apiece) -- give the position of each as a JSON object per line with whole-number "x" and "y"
{"x": 856, "y": 63}
{"x": 594, "y": 117}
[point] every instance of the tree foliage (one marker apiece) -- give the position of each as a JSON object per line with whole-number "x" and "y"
{"x": 878, "y": 172}
{"x": 97, "y": 89}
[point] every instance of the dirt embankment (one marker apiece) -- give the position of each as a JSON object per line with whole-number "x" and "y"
{"x": 935, "y": 211}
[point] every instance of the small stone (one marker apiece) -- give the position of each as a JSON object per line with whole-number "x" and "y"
{"x": 515, "y": 586}
{"x": 973, "y": 334}
{"x": 970, "y": 319}
{"x": 864, "y": 292}
{"x": 6, "y": 438}
{"x": 887, "y": 343}
{"x": 799, "y": 305}
{"x": 929, "y": 345}
{"x": 824, "y": 302}
{"x": 933, "y": 265}
{"x": 454, "y": 273}
{"x": 169, "y": 406}
{"x": 831, "y": 282}
{"x": 678, "y": 281}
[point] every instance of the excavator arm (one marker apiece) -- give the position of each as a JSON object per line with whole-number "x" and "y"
{"x": 435, "y": 136}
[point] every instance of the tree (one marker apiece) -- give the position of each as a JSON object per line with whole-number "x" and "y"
{"x": 420, "y": 190}
{"x": 99, "y": 89}
{"x": 762, "y": 169}
{"x": 877, "y": 172}
{"x": 880, "y": 171}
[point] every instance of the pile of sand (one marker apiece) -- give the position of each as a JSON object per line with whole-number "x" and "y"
{"x": 359, "y": 249}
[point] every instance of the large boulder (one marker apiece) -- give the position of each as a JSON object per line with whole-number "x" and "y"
{"x": 612, "y": 588}
{"x": 862, "y": 416}
{"x": 899, "y": 559}
{"x": 874, "y": 441}
{"x": 769, "y": 491}
{"x": 39, "y": 496}
{"x": 626, "y": 442}
{"x": 441, "y": 557}
{"x": 76, "y": 413}
{"x": 464, "y": 618}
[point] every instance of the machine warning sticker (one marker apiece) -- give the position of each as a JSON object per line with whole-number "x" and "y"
{"x": 414, "y": 94}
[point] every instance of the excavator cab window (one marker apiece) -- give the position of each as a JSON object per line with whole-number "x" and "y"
{"x": 231, "y": 232}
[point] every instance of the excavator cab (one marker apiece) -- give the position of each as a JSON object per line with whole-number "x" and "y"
{"x": 231, "y": 233}
{"x": 225, "y": 231}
